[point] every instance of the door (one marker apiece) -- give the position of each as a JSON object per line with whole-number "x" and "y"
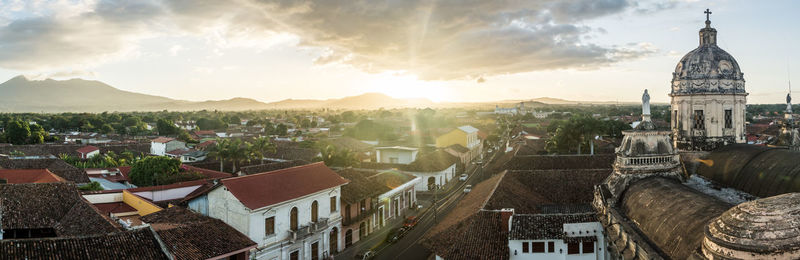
{"x": 315, "y": 251}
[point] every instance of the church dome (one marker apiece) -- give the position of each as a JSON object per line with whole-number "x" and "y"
{"x": 759, "y": 229}
{"x": 708, "y": 68}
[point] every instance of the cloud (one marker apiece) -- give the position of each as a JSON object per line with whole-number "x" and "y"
{"x": 434, "y": 40}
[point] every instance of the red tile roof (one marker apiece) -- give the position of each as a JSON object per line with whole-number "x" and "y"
{"x": 268, "y": 188}
{"x": 87, "y": 149}
{"x": 29, "y": 176}
{"x": 210, "y": 174}
{"x": 162, "y": 139}
{"x": 204, "y": 132}
{"x": 205, "y": 144}
{"x": 114, "y": 207}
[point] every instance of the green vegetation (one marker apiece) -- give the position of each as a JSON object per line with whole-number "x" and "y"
{"x": 338, "y": 157}
{"x": 92, "y": 186}
{"x": 574, "y": 134}
{"x": 110, "y": 159}
{"x": 159, "y": 170}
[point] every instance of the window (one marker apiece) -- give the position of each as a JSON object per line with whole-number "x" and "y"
{"x": 315, "y": 251}
{"x": 588, "y": 247}
{"x": 333, "y": 204}
{"x": 537, "y": 247}
{"x": 269, "y": 226}
{"x": 314, "y": 211}
{"x": 551, "y": 247}
{"x": 699, "y": 120}
{"x": 573, "y": 248}
{"x": 525, "y": 248}
{"x": 728, "y": 118}
{"x": 674, "y": 118}
{"x": 363, "y": 206}
{"x": 294, "y": 255}
{"x": 293, "y": 219}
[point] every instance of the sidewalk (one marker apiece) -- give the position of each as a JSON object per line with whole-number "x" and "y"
{"x": 376, "y": 240}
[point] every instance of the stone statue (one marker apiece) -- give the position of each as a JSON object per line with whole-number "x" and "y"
{"x": 645, "y": 103}
{"x": 789, "y": 103}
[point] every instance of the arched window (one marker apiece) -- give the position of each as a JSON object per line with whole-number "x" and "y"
{"x": 293, "y": 219}
{"x": 314, "y": 211}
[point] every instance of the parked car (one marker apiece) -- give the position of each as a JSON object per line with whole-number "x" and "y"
{"x": 468, "y": 189}
{"x": 411, "y": 222}
{"x": 365, "y": 255}
{"x": 463, "y": 177}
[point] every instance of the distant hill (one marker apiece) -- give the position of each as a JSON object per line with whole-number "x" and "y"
{"x": 20, "y": 94}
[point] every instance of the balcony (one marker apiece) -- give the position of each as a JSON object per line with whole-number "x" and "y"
{"x": 358, "y": 218}
{"x": 308, "y": 230}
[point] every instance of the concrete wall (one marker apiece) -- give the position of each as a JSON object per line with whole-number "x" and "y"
{"x": 224, "y": 206}
{"x": 442, "y": 177}
{"x": 143, "y": 206}
{"x": 402, "y": 156}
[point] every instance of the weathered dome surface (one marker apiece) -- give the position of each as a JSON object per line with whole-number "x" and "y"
{"x": 763, "y": 228}
{"x": 758, "y": 170}
{"x": 670, "y": 214}
{"x": 707, "y": 69}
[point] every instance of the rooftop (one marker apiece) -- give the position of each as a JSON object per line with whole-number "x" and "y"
{"x": 139, "y": 243}
{"x": 268, "y": 188}
{"x": 50, "y": 205}
{"x": 190, "y": 235}
{"x": 56, "y": 166}
{"x": 29, "y": 176}
{"x": 547, "y": 226}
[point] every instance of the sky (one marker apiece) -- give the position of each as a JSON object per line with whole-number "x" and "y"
{"x": 446, "y": 51}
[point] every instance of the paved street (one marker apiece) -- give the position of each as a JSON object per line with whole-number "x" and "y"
{"x": 409, "y": 247}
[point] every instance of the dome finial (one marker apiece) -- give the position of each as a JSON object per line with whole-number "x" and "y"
{"x": 708, "y": 21}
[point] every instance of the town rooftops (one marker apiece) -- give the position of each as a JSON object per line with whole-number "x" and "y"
{"x": 134, "y": 244}
{"x": 431, "y": 162}
{"x": 272, "y": 166}
{"x": 468, "y": 129}
{"x": 190, "y": 235}
{"x": 29, "y": 176}
{"x": 87, "y": 149}
{"x": 548, "y": 226}
{"x": 56, "y": 166}
{"x": 268, "y": 188}
{"x": 162, "y": 140}
{"x": 56, "y": 206}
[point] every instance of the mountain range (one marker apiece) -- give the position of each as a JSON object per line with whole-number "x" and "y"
{"x": 21, "y": 94}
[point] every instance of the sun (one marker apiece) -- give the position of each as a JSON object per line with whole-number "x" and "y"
{"x": 408, "y": 86}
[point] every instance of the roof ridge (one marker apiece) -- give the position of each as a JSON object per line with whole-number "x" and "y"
{"x": 275, "y": 171}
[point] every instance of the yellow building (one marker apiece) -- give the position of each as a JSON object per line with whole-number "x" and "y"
{"x": 466, "y": 136}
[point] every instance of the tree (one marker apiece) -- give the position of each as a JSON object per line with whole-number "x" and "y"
{"x": 154, "y": 170}
{"x": 186, "y": 137}
{"x": 37, "y": 134}
{"x": 17, "y": 132}
{"x": 92, "y": 186}
{"x": 106, "y": 129}
{"x": 231, "y": 150}
{"x": 166, "y": 127}
{"x": 333, "y": 156}
{"x": 261, "y": 147}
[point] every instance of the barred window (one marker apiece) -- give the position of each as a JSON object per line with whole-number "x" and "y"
{"x": 699, "y": 120}
{"x": 728, "y": 118}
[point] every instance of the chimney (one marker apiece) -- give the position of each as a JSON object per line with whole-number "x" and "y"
{"x": 506, "y": 215}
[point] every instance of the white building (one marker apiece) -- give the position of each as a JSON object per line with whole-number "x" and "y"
{"x": 160, "y": 146}
{"x": 562, "y": 236}
{"x": 708, "y": 99}
{"x": 88, "y": 151}
{"x": 291, "y": 213}
{"x": 396, "y": 154}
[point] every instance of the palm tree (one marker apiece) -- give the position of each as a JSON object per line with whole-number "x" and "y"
{"x": 221, "y": 151}
{"x": 261, "y": 147}
{"x": 231, "y": 150}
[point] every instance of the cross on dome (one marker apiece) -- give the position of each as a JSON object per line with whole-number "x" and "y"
{"x": 708, "y": 21}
